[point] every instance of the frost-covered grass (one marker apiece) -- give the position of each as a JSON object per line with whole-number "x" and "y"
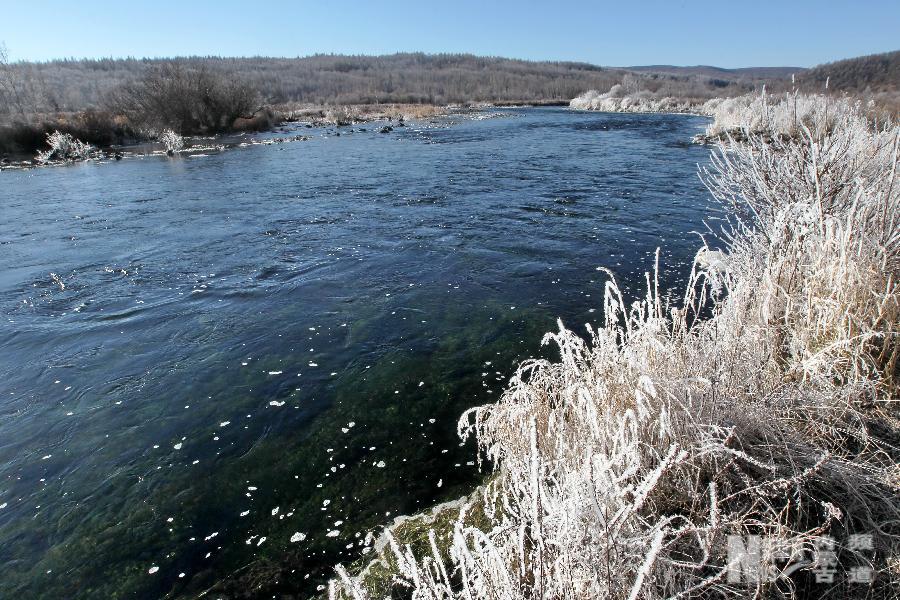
{"x": 764, "y": 402}
{"x": 788, "y": 115}
{"x": 642, "y": 102}
{"x": 63, "y": 146}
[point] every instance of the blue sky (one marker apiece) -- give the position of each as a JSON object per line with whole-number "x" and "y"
{"x": 622, "y": 33}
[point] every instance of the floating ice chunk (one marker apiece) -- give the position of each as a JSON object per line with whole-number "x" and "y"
{"x": 46, "y": 457}
{"x": 252, "y": 488}
{"x": 245, "y": 513}
{"x": 440, "y": 482}
{"x": 224, "y": 423}
{"x": 261, "y": 540}
{"x": 177, "y": 446}
{"x": 153, "y": 569}
{"x": 380, "y": 464}
{"x": 333, "y": 533}
{"x": 211, "y": 536}
{"x": 312, "y": 364}
{"x": 276, "y": 403}
{"x": 2, "y": 506}
{"x": 275, "y": 510}
{"x": 298, "y": 537}
{"x": 421, "y": 383}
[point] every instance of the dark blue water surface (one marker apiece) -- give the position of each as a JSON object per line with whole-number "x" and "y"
{"x": 202, "y": 357}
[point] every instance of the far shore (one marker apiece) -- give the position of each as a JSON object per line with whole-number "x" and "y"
{"x": 116, "y": 142}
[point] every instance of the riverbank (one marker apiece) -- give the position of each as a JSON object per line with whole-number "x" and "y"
{"x": 110, "y": 139}
{"x": 651, "y": 456}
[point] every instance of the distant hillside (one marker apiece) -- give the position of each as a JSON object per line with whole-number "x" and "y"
{"x": 721, "y": 73}
{"x": 76, "y": 85}
{"x": 71, "y": 85}
{"x": 873, "y": 73}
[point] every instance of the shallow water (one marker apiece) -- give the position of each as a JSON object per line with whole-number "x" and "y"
{"x": 202, "y": 357}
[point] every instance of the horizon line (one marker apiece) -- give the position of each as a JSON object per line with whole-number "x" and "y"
{"x": 412, "y": 53}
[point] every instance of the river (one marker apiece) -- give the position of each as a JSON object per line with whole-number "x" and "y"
{"x": 203, "y": 358}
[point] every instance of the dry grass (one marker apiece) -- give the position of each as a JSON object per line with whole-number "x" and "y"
{"x": 622, "y": 468}
{"x": 356, "y": 113}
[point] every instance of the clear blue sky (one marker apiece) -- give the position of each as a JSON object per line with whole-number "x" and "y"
{"x": 622, "y": 33}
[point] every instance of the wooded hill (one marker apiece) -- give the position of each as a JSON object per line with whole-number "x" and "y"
{"x": 872, "y": 73}
{"x": 72, "y": 85}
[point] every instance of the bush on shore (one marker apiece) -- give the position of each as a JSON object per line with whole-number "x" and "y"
{"x": 186, "y": 100}
{"x": 622, "y": 469}
{"x": 62, "y": 146}
{"x": 98, "y": 128}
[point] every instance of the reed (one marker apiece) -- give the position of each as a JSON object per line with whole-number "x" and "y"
{"x": 763, "y": 402}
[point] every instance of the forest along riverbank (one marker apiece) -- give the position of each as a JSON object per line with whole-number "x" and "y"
{"x": 225, "y": 373}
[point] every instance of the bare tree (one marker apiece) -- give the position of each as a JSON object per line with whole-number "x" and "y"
{"x": 185, "y": 99}
{"x": 10, "y": 86}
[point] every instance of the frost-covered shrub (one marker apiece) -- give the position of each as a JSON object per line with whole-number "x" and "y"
{"x": 616, "y": 100}
{"x": 787, "y": 115}
{"x": 63, "y": 146}
{"x": 171, "y": 141}
{"x": 763, "y": 403}
{"x": 817, "y": 229}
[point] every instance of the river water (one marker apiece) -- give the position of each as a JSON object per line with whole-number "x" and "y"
{"x": 203, "y": 357}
